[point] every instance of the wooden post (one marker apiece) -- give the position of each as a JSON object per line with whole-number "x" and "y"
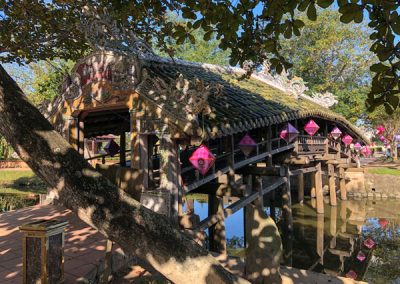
{"x": 217, "y": 234}
{"x": 81, "y": 137}
{"x": 122, "y": 152}
{"x": 318, "y": 189}
{"x": 343, "y": 216}
{"x": 332, "y": 227}
{"x": 169, "y": 172}
{"x": 300, "y": 192}
{"x": 257, "y": 186}
{"x": 312, "y": 190}
{"x": 287, "y": 202}
{"x": 332, "y": 185}
{"x": 320, "y": 236}
{"x": 143, "y": 152}
{"x": 342, "y": 184}
{"x": 72, "y": 132}
{"x": 269, "y": 145}
{"x": 133, "y": 140}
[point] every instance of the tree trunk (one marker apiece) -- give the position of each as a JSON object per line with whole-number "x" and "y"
{"x": 97, "y": 202}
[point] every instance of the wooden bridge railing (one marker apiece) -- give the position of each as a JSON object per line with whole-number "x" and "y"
{"x": 312, "y": 144}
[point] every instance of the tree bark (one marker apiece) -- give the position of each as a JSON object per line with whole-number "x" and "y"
{"x": 97, "y": 202}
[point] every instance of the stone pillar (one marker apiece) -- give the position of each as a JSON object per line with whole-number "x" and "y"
{"x": 43, "y": 251}
{"x": 217, "y": 235}
{"x": 263, "y": 247}
{"x": 169, "y": 172}
{"x": 318, "y": 189}
{"x": 332, "y": 185}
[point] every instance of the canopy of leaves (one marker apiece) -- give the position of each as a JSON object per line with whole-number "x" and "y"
{"x": 31, "y": 31}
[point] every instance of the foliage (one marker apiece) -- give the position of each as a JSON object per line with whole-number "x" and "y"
{"x": 384, "y": 171}
{"x": 5, "y": 150}
{"x": 252, "y": 30}
{"x": 9, "y": 176}
{"x": 47, "y": 79}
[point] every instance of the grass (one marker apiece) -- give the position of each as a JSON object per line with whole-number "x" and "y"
{"x": 384, "y": 171}
{"x": 20, "y": 182}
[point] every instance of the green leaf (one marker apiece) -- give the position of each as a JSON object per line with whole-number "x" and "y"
{"x": 312, "y": 12}
{"x": 388, "y": 108}
{"x": 298, "y": 23}
{"x": 393, "y": 100}
{"x": 207, "y": 35}
{"x": 379, "y": 67}
{"x": 324, "y": 3}
{"x": 303, "y": 5}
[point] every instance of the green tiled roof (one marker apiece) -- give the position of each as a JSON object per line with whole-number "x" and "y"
{"x": 245, "y": 103}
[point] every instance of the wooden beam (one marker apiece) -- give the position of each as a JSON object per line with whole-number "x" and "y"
{"x": 318, "y": 190}
{"x": 303, "y": 171}
{"x": 342, "y": 184}
{"x": 294, "y": 160}
{"x": 300, "y": 190}
{"x": 332, "y": 185}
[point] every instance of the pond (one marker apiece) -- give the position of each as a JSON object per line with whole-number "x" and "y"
{"x": 335, "y": 243}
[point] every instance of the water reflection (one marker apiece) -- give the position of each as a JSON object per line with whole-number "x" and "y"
{"x": 332, "y": 243}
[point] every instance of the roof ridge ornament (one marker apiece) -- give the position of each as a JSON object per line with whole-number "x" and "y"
{"x": 103, "y": 33}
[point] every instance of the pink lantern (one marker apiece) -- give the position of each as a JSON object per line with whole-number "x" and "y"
{"x": 366, "y": 151}
{"x": 397, "y": 138}
{"x": 289, "y": 133}
{"x": 311, "y": 127}
{"x": 247, "y": 145}
{"x": 380, "y": 130}
{"x": 347, "y": 139}
{"x": 336, "y": 133}
{"x": 357, "y": 146}
{"x": 369, "y": 243}
{"x": 351, "y": 274}
{"x": 361, "y": 256}
{"x": 382, "y": 138}
{"x": 202, "y": 159}
{"x": 112, "y": 148}
{"x": 383, "y": 223}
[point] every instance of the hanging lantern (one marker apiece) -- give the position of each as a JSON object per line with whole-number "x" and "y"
{"x": 382, "y": 138}
{"x": 383, "y": 223}
{"x": 289, "y": 133}
{"x": 311, "y": 127}
{"x": 397, "y": 138}
{"x": 366, "y": 151}
{"x": 361, "y": 256}
{"x": 380, "y": 130}
{"x": 357, "y": 146}
{"x": 369, "y": 243}
{"x": 112, "y": 148}
{"x": 202, "y": 159}
{"x": 351, "y": 274}
{"x": 247, "y": 145}
{"x": 336, "y": 133}
{"x": 347, "y": 139}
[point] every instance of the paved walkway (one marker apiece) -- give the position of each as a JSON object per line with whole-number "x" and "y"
{"x": 84, "y": 247}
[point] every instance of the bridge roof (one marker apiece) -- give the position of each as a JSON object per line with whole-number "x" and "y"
{"x": 244, "y": 104}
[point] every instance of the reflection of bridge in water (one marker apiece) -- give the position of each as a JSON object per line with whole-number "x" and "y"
{"x": 159, "y": 112}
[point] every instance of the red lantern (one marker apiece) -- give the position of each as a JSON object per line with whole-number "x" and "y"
{"x": 247, "y": 145}
{"x": 361, "y": 256}
{"x": 336, "y": 133}
{"x": 369, "y": 243}
{"x": 347, "y": 139}
{"x": 383, "y": 223}
{"x": 112, "y": 148}
{"x": 202, "y": 159}
{"x": 380, "y": 130}
{"x": 351, "y": 274}
{"x": 311, "y": 127}
{"x": 289, "y": 133}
